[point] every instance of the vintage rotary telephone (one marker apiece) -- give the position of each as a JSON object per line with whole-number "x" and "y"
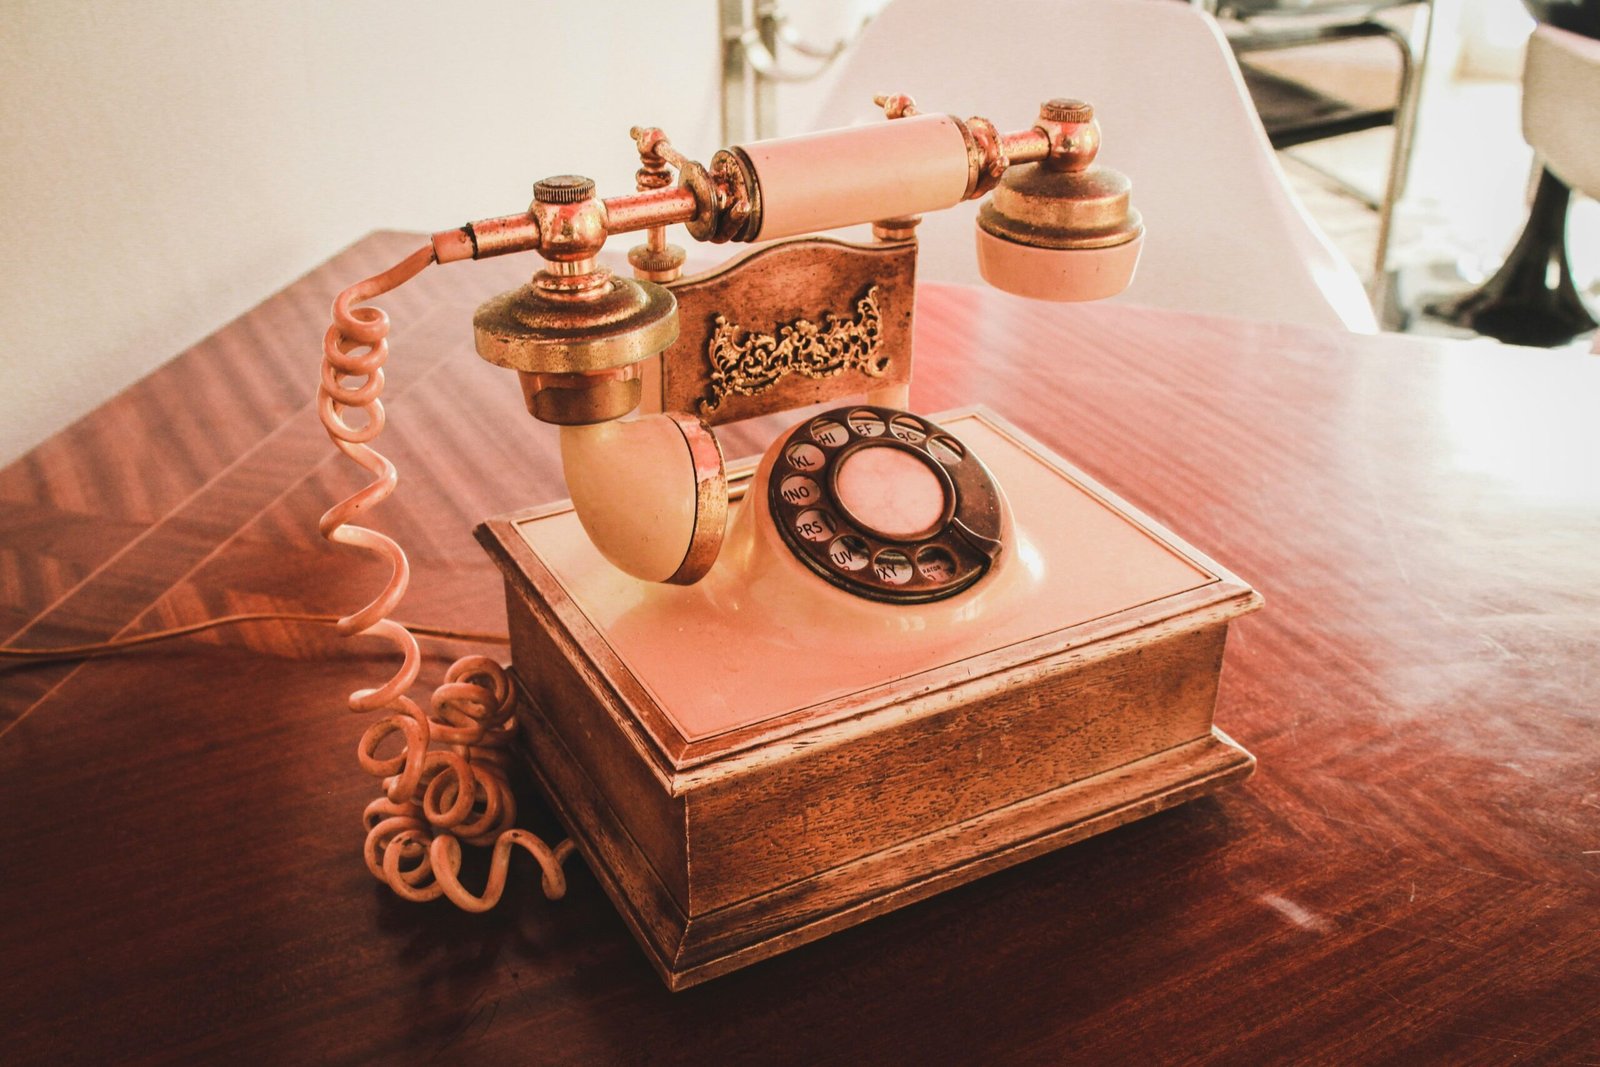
{"x": 866, "y": 521}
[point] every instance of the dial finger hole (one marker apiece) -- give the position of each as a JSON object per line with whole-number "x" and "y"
{"x": 937, "y": 564}
{"x": 867, "y": 423}
{"x": 814, "y": 524}
{"x": 804, "y": 456}
{"x": 848, "y": 553}
{"x": 907, "y": 429}
{"x": 892, "y": 567}
{"x": 946, "y": 450}
{"x": 829, "y": 433}
{"x": 799, "y": 490}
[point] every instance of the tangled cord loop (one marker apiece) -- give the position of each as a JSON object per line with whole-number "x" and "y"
{"x": 433, "y": 798}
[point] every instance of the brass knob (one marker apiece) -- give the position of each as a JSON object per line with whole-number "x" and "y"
{"x": 1061, "y": 110}
{"x": 563, "y": 189}
{"x": 1074, "y": 134}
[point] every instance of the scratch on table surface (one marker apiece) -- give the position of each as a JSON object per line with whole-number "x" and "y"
{"x": 1506, "y": 1040}
{"x": 1388, "y": 538}
{"x": 1435, "y": 1011}
{"x": 1357, "y": 822}
{"x": 1467, "y": 1033}
{"x": 1490, "y": 874}
{"x": 1301, "y": 917}
{"x": 475, "y": 1012}
{"x": 1414, "y": 933}
{"x": 1502, "y": 649}
{"x": 1411, "y": 1007}
{"x": 1413, "y": 899}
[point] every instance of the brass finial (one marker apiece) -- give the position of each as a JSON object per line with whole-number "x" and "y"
{"x": 896, "y": 105}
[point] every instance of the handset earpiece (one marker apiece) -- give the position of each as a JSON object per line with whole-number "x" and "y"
{"x": 1061, "y": 228}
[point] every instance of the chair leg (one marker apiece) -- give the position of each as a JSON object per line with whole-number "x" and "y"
{"x": 1405, "y": 121}
{"x": 1531, "y": 300}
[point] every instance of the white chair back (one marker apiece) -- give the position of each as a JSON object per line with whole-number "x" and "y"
{"x": 1561, "y": 105}
{"x": 1224, "y": 232}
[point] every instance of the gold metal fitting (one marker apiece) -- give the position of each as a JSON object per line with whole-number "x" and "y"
{"x": 897, "y": 229}
{"x": 1064, "y": 200}
{"x": 531, "y": 329}
{"x": 578, "y": 358}
{"x": 711, "y": 499}
{"x": 655, "y": 260}
{"x": 571, "y": 219}
{"x": 896, "y": 105}
{"x": 662, "y": 264}
{"x": 563, "y": 189}
{"x": 696, "y": 180}
{"x": 737, "y": 198}
{"x": 581, "y": 399}
{"x": 986, "y": 155}
{"x": 1073, "y": 133}
{"x": 1045, "y": 208}
{"x": 655, "y": 152}
{"x": 1061, "y": 109}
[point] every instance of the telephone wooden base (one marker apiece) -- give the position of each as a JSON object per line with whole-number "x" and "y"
{"x": 740, "y": 794}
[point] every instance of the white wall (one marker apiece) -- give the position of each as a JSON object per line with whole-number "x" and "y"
{"x": 1494, "y": 37}
{"x": 167, "y": 164}
{"x": 822, "y": 23}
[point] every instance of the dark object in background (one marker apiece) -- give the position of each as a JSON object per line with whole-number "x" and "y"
{"x": 1575, "y": 16}
{"x": 1526, "y": 302}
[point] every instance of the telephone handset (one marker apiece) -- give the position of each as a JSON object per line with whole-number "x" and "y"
{"x": 880, "y": 530}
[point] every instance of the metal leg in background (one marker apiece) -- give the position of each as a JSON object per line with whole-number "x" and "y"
{"x": 1382, "y": 292}
{"x": 1287, "y": 132}
{"x": 1531, "y": 300}
{"x": 1405, "y": 121}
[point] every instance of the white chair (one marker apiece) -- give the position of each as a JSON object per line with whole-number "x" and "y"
{"x": 1225, "y": 234}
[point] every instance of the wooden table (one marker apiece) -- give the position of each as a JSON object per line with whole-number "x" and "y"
{"x": 1413, "y": 875}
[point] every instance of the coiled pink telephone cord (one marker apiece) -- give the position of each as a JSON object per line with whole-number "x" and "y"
{"x": 433, "y": 798}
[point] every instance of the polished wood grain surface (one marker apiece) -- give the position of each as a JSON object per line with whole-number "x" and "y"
{"x": 1412, "y": 876}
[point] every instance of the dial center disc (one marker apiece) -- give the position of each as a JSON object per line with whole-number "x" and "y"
{"x": 890, "y": 491}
